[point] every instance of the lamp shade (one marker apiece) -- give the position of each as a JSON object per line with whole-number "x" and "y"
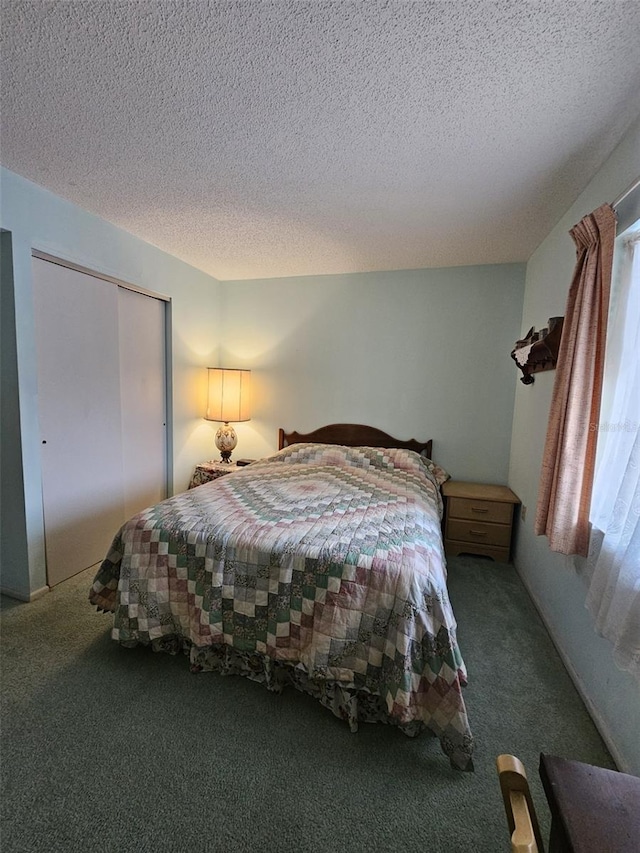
{"x": 229, "y": 395}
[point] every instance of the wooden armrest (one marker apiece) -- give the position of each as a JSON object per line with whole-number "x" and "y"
{"x": 518, "y": 805}
{"x": 523, "y": 839}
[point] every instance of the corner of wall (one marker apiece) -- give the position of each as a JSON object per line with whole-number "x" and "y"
{"x": 13, "y": 533}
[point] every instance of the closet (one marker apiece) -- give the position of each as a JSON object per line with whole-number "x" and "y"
{"x": 102, "y": 405}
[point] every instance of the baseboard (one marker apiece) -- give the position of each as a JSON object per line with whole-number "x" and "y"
{"x": 598, "y": 721}
{"x": 21, "y": 596}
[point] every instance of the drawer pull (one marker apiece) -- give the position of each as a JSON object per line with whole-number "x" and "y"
{"x": 479, "y": 509}
{"x": 478, "y": 532}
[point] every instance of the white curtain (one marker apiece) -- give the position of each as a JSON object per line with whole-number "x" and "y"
{"x": 614, "y": 558}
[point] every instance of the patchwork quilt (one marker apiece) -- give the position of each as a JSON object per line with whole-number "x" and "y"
{"x": 322, "y": 567}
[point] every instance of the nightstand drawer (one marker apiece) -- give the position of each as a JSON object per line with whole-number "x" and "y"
{"x": 479, "y": 532}
{"x": 492, "y": 511}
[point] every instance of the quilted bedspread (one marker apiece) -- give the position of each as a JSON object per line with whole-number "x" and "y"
{"x": 320, "y": 566}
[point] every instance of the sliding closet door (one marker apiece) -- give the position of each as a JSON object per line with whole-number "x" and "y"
{"x": 76, "y": 324}
{"x": 143, "y": 399}
{"x": 102, "y": 408}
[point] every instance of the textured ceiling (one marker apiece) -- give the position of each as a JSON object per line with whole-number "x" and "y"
{"x": 254, "y": 138}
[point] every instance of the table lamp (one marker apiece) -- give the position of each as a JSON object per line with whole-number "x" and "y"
{"x": 228, "y": 400}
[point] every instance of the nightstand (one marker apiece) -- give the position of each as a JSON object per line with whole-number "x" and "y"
{"x": 205, "y": 472}
{"x": 478, "y": 519}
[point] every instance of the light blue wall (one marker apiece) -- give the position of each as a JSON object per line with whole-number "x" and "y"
{"x": 417, "y": 353}
{"x": 613, "y": 696}
{"x": 37, "y": 219}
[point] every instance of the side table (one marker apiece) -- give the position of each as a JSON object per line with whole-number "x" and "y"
{"x": 205, "y": 472}
{"x": 478, "y": 519}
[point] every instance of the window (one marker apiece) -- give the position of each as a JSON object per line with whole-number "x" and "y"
{"x": 614, "y": 559}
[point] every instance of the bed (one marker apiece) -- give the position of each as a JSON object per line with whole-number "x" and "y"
{"x": 320, "y": 567}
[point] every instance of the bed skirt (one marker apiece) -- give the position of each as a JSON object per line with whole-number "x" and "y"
{"x": 348, "y": 702}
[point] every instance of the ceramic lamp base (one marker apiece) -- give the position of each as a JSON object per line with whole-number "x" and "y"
{"x": 226, "y": 440}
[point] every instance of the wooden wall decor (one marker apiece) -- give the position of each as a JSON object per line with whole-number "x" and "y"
{"x": 538, "y": 351}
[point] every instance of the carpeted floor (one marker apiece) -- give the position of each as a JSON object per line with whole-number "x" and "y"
{"x": 110, "y": 749}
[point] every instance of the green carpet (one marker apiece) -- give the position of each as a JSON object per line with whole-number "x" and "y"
{"x": 110, "y": 749}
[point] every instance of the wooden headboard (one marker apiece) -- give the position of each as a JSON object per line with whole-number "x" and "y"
{"x": 352, "y": 435}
